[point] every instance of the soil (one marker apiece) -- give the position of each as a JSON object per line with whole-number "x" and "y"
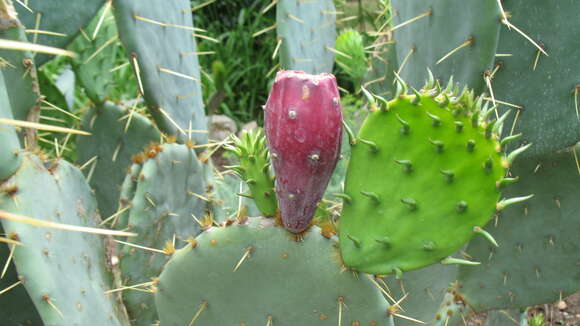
{"x": 565, "y": 312}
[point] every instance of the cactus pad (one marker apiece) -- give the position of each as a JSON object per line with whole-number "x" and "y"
{"x": 166, "y": 196}
{"x": 254, "y": 169}
{"x": 113, "y": 145}
{"x": 158, "y": 39}
{"x": 261, "y": 276}
{"x": 422, "y": 178}
{"x": 17, "y": 308}
{"x": 308, "y": 33}
{"x": 66, "y": 273}
{"x": 539, "y": 241}
{"x": 441, "y": 26}
{"x": 550, "y": 97}
{"x": 97, "y": 56}
{"x": 18, "y": 68}
{"x": 10, "y": 154}
{"x": 51, "y": 15}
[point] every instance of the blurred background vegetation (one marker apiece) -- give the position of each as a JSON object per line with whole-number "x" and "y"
{"x": 236, "y": 57}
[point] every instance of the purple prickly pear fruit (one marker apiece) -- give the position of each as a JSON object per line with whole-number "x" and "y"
{"x": 303, "y": 121}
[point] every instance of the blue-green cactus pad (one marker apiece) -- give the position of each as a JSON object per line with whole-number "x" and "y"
{"x": 66, "y": 273}
{"x": 290, "y": 282}
{"x": 307, "y": 30}
{"x": 537, "y": 260}
{"x": 162, "y": 207}
{"x": 158, "y": 37}
{"x": 113, "y": 146}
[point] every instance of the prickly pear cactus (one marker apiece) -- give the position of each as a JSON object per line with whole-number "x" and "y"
{"x": 262, "y": 276}
{"x": 431, "y": 35}
{"x": 424, "y": 177}
{"x": 18, "y": 68}
{"x": 66, "y": 273}
{"x": 539, "y": 241}
{"x": 307, "y": 30}
{"x": 424, "y": 291}
{"x": 225, "y": 201}
{"x": 117, "y": 134}
{"x": 168, "y": 75}
{"x": 550, "y": 121}
{"x": 352, "y": 57}
{"x": 254, "y": 169}
{"x": 56, "y": 16}
{"x": 97, "y": 52}
{"x": 17, "y": 307}
{"x": 303, "y": 121}
{"x": 168, "y": 198}
{"x": 10, "y": 158}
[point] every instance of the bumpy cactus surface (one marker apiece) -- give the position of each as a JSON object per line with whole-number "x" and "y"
{"x": 424, "y": 177}
{"x": 66, "y": 273}
{"x": 261, "y": 276}
{"x": 307, "y": 30}
{"x": 10, "y": 158}
{"x": 303, "y": 121}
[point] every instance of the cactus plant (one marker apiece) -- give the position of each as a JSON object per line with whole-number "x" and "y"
{"x": 436, "y": 138}
{"x": 18, "y": 68}
{"x": 303, "y": 127}
{"x": 168, "y": 198}
{"x": 307, "y": 30}
{"x": 398, "y": 181}
{"x": 14, "y": 299}
{"x": 462, "y": 45}
{"x": 97, "y": 54}
{"x": 168, "y": 76}
{"x": 117, "y": 134}
{"x": 529, "y": 249}
{"x": 65, "y": 273}
{"x": 50, "y": 16}
{"x": 10, "y": 159}
{"x": 550, "y": 121}
{"x": 250, "y": 283}
{"x": 254, "y": 169}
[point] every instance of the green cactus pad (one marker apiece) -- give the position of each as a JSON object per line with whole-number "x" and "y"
{"x": 539, "y": 241}
{"x": 254, "y": 168}
{"x": 96, "y": 56}
{"x": 422, "y": 175}
{"x": 550, "y": 95}
{"x": 113, "y": 146}
{"x": 17, "y": 308}
{"x": 10, "y": 154}
{"x": 66, "y": 273}
{"x": 166, "y": 196}
{"x": 18, "y": 68}
{"x": 260, "y": 273}
{"x": 308, "y": 33}
{"x": 158, "y": 39}
{"x": 353, "y": 58}
{"x": 65, "y": 17}
{"x": 440, "y": 27}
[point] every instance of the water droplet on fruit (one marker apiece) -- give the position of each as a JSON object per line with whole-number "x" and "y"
{"x": 300, "y": 135}
{"x": 336, "y": 102}
{"x": 292, "y": 114}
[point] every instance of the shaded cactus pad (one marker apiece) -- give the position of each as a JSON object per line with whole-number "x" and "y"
{"x": 261, "y": 275}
